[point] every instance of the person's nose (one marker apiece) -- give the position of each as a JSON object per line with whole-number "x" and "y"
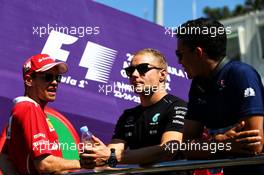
{"x": 135, "y": 73}
{"x": 54, "y": 82}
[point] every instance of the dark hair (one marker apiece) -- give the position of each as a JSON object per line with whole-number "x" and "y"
{"x": 205, "y": 33}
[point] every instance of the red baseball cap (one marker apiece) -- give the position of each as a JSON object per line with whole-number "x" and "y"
{"x": 41, "y": 63}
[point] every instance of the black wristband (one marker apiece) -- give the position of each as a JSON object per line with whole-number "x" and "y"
{"x": 112, "y": 161}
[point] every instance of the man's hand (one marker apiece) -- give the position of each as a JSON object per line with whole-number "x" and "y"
{"x": 242, "y": 141}
{"x": 87, "y": 162}
{"x": 98, "y": 154}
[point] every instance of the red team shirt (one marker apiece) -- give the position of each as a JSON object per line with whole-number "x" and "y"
{"x": 29, "y": 135}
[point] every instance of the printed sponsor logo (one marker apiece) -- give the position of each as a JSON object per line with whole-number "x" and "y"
{"x": 155, "y": 117}
{"x": 249, "y": 92}
{"x": 39, "y": 135}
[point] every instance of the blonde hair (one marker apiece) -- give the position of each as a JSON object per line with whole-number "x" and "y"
{"x": 156, "y": 54}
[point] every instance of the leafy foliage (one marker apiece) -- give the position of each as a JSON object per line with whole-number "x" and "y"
{"x": 224, "y": 12}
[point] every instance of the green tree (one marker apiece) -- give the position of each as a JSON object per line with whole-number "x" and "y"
{"x": 214, "y": 13}
{"x": 224, "y": 12}
{"x": 239, "y": 10}
{"x": 253, "y": 5}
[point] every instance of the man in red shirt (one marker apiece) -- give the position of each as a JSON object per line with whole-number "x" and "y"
{"x": 32, "y": 142}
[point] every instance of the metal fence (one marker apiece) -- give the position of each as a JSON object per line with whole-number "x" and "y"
{"x": 180, "y": 165}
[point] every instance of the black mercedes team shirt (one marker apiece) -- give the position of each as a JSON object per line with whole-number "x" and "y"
{"x": 144, "y": 126}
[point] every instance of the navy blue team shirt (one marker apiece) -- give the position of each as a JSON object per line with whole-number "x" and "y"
{"x": 232, "y": 92}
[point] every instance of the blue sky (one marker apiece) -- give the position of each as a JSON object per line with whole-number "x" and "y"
{"x": 175, "y": 11}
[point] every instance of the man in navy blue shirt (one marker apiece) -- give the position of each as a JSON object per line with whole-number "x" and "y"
{"x": 224, "y": 94}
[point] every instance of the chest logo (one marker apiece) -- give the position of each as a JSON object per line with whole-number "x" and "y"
{"x": 155, "y": 117}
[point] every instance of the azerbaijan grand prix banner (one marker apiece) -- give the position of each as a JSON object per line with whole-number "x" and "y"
{"x": 96, "y": 41}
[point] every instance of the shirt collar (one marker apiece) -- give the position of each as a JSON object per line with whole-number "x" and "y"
{"x": 24, "y": 98}
{"x": 219, "y": 66}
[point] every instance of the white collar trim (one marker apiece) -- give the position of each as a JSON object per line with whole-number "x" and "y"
{"x": 24, "y": 98}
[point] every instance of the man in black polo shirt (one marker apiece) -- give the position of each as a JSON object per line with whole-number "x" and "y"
{"x": 146, "y": 128}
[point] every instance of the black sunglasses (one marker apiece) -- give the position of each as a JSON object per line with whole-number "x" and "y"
{"x": 141, "y": 68}
{"x": 48, "y": 77}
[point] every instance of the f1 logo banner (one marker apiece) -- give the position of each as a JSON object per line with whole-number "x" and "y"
{"x": 96, "y": 58}
{"x": 99, "y": 60}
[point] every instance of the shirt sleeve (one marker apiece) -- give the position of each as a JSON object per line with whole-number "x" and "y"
{"x": 176, "y": 115}
{"x": 249, "y": 91}
{"x": 35, "y": 129}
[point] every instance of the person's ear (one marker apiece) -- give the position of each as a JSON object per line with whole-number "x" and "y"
{"x": 199, "y": 51}
{"x": 163, "y": 75}
{"x": 28, "y": 80}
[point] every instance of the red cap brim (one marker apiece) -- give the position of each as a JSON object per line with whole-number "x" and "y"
{"x": 62, "y": 67}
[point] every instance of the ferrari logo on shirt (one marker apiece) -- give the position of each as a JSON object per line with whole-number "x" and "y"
{"x": 51, "y": 128}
